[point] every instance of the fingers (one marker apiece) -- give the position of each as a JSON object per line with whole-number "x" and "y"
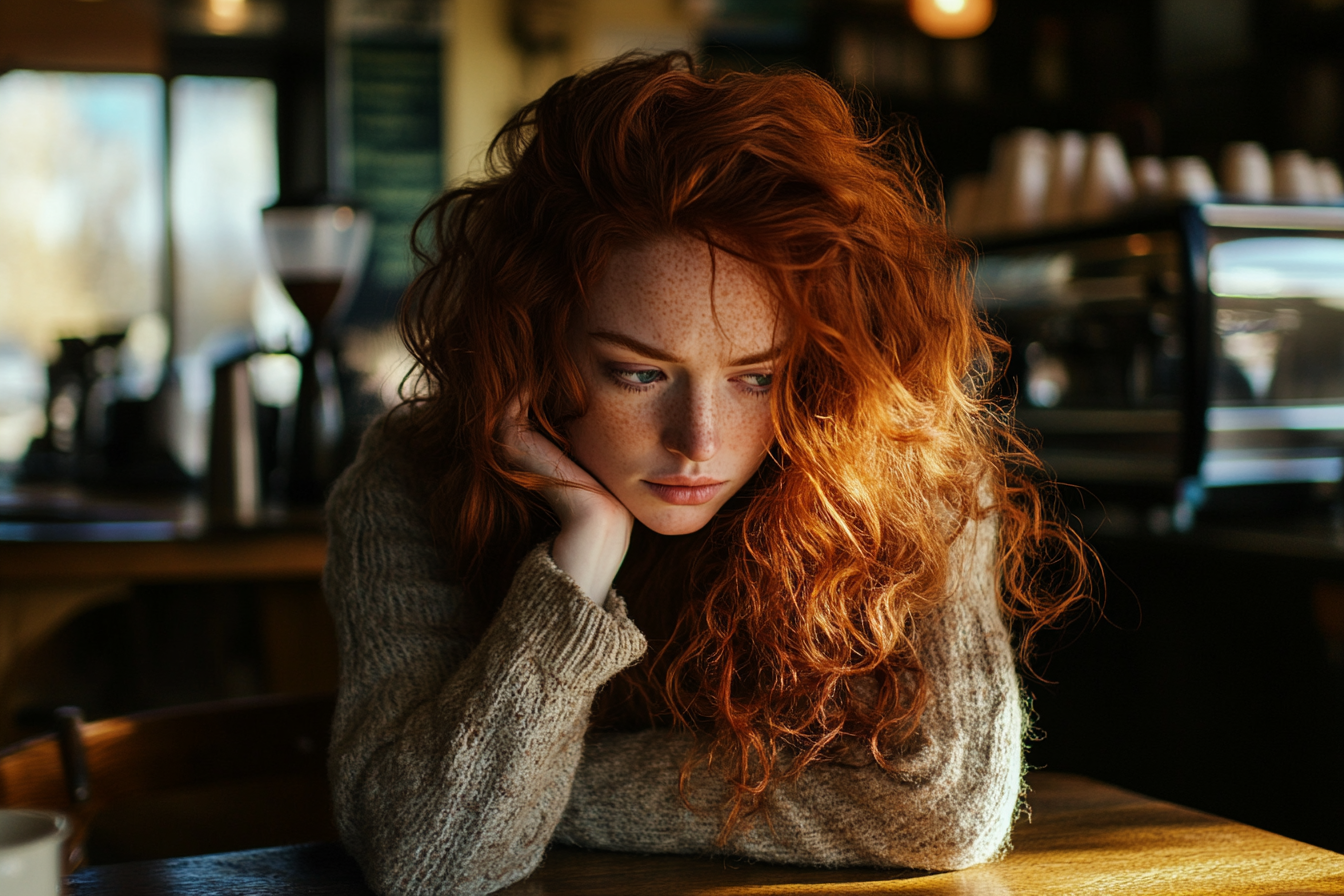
{"x": 530, "y": 450}
{"x": 577, "y": 498}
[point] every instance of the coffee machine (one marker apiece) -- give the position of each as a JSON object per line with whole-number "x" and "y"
{"x": 1181, "y": 360}
{"x": 319, "y": 252}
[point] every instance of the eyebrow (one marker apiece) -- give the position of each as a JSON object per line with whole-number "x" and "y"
{"x": 657, "y": 354}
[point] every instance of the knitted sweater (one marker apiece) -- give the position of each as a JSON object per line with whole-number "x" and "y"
{"x": 454, "y": 764}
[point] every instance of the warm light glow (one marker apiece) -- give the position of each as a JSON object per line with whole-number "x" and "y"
{"x": 226, "y": 16}
{"x": 952, "y": 19}
{"x": 1139, "y": 244}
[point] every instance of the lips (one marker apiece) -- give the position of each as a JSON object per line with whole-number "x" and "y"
{"x": 685, "y": 490}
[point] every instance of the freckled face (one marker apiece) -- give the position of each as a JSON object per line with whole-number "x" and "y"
{"x": 679, "y": 410}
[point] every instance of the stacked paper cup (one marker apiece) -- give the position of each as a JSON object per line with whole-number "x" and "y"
{"x": 1300, "y": 178}
{"x": 1040, "y": 180}
{"x": 1106, "y": 186}
{"x": 1190, "y": 178}
{"x": 1249, "y": 175}
{"x": 1065, "y": 175}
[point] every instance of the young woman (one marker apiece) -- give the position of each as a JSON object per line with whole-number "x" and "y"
{"x": 700, "y": 533}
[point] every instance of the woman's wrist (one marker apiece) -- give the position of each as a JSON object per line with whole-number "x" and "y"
{"x": 590, "y": 551}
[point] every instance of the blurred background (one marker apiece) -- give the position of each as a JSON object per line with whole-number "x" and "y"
{"x": 205, "y": 209}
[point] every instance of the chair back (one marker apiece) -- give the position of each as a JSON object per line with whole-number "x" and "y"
{"x": 87, "y": 767}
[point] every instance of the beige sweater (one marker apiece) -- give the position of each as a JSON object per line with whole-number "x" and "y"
{"x": 454, "y": 764}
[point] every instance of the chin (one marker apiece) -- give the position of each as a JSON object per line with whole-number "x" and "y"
{"x": 675, "y": 523}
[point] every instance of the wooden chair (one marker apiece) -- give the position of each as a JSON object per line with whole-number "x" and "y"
{"x": 208, "y": 777}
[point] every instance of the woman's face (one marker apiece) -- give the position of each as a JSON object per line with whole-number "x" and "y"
{"x": 679, "y": 402}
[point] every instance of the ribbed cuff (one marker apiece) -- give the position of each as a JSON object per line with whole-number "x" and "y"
{"x": 570, "y": 637}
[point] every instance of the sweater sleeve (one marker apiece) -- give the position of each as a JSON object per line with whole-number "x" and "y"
{"x": 451, "y": 763}
{"x": 949, "y": 802}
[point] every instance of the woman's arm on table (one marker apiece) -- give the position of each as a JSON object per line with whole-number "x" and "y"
{"x": 949, "y": 803}
{"x": 451, "y": 764}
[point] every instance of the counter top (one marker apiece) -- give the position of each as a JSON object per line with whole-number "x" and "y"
{"x": 257, "y": 555}
{"x": 65, "y": 534}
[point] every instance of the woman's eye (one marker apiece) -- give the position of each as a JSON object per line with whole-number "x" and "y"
{"x": 643, "y": 377}
{"x": 757, "y": 382}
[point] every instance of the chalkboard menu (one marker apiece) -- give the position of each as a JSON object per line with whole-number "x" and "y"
{"x": 386, "y": 119}
{"x": 387, "y": 78}
{"x": 395, "y": 157}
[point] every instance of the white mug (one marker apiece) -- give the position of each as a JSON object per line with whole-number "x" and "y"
{"x": 1106, "y": 186}
{"x": 1295, "y": 177}
{"x": 1329, "y": 181}
{"x": 32, "y": 852}
{"x": 1189, "y": 177}
{"x": 1066, "y": 170}
{"x": 1023, "y": 171}
{"x": 1150, "y": 177}
{"x": 1247, "y": 174}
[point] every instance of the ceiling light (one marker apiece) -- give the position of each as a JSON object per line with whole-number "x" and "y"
{"x": 952, "y": 18}
{"x": 226, "y": 16}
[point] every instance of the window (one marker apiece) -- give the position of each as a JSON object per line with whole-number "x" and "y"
{"x": 83, "y": 165}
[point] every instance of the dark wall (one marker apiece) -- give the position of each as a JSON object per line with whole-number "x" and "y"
{"x": 1210, "y": 682}
{"x": 1172, "y": 77}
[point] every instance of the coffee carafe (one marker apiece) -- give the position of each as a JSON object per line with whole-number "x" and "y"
{"x": 319, "y": 253}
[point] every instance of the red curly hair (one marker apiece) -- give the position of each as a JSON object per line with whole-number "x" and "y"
{"x": 782, "y": 632}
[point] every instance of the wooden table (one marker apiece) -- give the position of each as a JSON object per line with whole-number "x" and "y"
{"x": 1083, "y": 837}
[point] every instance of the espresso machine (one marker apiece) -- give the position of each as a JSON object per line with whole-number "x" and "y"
{"x": 1183, "y": 360}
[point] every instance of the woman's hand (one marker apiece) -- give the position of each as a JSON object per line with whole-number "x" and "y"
{"x": 594, "y": 526}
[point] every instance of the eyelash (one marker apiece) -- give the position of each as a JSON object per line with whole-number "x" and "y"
{"x": 617, "y": 375}
{"x": 760, "y": 391}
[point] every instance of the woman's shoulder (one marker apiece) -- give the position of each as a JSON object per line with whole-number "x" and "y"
{"x": 973, "y": 554}
{"x": 384, "y": 480}
{"x": 382, "y": 554}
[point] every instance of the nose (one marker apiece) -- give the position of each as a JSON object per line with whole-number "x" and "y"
{"x": 691, "y": 428}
